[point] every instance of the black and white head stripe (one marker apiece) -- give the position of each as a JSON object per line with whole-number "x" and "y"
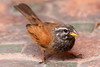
{"x": 61, "y": 28}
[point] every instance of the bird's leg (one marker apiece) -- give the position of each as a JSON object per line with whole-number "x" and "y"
{"x": 43, "y": 56}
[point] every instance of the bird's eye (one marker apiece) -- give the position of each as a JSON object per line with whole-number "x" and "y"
{"x": 65, "y": 30}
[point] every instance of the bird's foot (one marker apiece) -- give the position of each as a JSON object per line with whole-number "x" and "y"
{"x": 77, "y": 56}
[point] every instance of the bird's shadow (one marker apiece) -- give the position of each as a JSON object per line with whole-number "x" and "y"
{"x": 35, "y": 50}
{"x": 64, "y": 56}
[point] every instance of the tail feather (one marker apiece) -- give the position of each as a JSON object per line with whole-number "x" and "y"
{"x": 28, "y": 13}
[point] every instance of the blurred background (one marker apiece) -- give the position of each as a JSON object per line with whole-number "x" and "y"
{"x": 84, "y": 15}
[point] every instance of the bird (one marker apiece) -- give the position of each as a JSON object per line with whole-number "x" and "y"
{"x": 55, "y": 37}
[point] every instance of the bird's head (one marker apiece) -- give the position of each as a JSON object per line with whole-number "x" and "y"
{"x": 65, "y": 32}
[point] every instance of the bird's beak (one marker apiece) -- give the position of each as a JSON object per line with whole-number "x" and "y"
{"x": 74, "y": 33}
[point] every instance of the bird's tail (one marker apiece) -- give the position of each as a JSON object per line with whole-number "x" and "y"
{"x": 28, "y": 13}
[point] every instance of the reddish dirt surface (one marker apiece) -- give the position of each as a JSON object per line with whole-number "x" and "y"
{"x": 80, "y": 8}
{"x": 12, "y": 26}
